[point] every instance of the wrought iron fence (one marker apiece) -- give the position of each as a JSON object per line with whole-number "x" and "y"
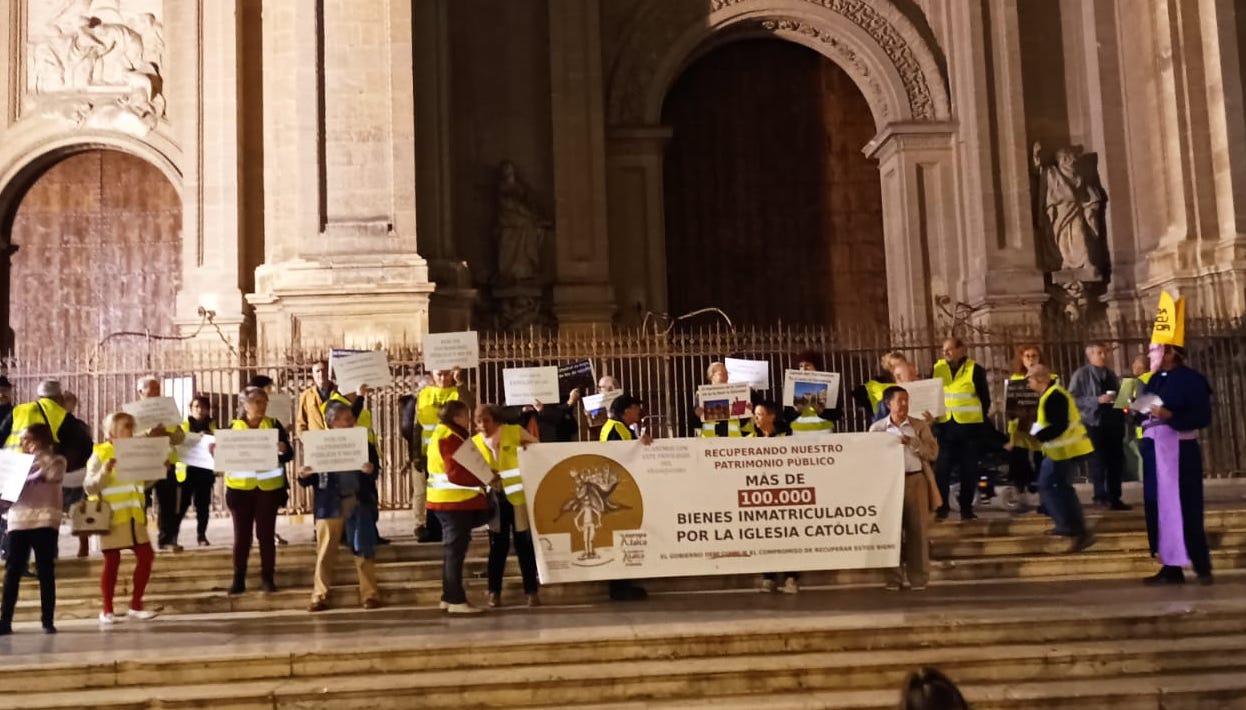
{"x": 662, "y": 367}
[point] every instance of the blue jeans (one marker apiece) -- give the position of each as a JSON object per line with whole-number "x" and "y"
{"x": 1058, "y": 497}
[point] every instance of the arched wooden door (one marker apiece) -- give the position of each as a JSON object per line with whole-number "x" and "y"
{"x": 772, "y": 211}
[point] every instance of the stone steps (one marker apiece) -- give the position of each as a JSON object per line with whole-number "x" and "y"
{"x": 1118, "y": 657}
{"x": 409, "y": 572}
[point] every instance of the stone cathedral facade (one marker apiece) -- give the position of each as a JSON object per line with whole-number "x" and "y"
{"x": 365, "y": 170}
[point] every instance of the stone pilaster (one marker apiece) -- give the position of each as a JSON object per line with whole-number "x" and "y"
{"x": 204, "y": 104}
{"x": 583, "y": 296}
{"x": 340, "y": 254}
{"x": 638, "y": 242}
{"x": 997, "y": 267}
{"x": 915, "y": 161}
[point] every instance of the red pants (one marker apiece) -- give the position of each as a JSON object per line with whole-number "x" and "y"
{"x": 142, "y": 572}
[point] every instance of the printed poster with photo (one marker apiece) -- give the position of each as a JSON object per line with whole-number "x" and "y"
{"x": 803, "y": 389}
{"x": 722, "y": 402}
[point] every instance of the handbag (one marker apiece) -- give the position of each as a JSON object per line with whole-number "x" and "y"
{"x": 90, "y": 517}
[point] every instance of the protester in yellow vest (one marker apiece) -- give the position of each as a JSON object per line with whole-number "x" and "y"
{"x": 499, "y": 444}
{"x": 967, "y": 399}
{"x": 254, "y": 497}
{"x": 427, "y": 408}
{"x": 625, "y": 414}
{"x": 48, "y": 408}
{"x": 717, "y": 375}
{"x": 456, "y": 498}
{"x": 1064, "y": 439}
{"x": 811, "y": 419}
{"x": 129, "y": 522}
{"x": 869, "y": 395}
{"x": 1024, "y": 451}
{"x": 197, "y": 483}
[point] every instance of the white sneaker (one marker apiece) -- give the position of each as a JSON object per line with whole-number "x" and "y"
{"x": 767, "y": 586}
{"x": 107, "y": 619}
{"x": 790, "y": 586}
{"x": 443, "y": 605}
{"x": 464, "y": 608}
{"x": 141, "y": 614}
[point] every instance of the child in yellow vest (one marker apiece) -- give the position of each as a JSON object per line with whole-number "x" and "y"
{"x": 129, "y": 523}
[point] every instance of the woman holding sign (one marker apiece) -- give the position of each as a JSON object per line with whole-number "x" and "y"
{"x": 499, "y": 444}
{"x": 717, "y": 375}
{"x": 457, "y": 498}
{"x": 197, "y": 483}
{"x": 1024, "y": 451}
{"x": 254, "y": 497}
{"x": 33, "y": 523}
{"x": 129, "y": 522}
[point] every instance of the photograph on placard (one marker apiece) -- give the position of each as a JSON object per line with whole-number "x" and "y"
{"x": 803, "y": 389}
{"x": 722, "y": 402}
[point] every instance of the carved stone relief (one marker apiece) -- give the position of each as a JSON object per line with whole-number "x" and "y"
{"x": 97, "y": 63}
{"x": 635, "y": 59}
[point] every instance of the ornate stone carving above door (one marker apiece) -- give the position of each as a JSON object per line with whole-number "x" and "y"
{"x": 97, "y": 63}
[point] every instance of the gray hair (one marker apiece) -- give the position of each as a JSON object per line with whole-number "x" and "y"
{"x": 143, "y": 382}
{"x": 248, "y": 395}
{"x": 51, "y": 389}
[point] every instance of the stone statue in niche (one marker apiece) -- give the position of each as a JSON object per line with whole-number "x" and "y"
{"x": 97, "y": 63}
{"x": 1070, "y": 221}
{"x": 524, "y": 234}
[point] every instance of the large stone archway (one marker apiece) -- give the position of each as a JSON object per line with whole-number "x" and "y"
{"x": 897, "y": 70}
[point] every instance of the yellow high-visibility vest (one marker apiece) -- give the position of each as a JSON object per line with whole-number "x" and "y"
{"x": 875, "y": 390}
{"x": 124, "y": 497}
{"x": 506, "y": 463}
{"x": 735, "y": 428}
{"x": 428, "y": 408}
{"x": 1074, "y": 441}
{"x": 273, "y": 480}
{"x": 364, "y": 419}
{"x": 181, "y": 465}
{"x": 960, "y": 399}
{"x": 615, "y": 425}
{"x": 1023, "y": 439}
{"x": 810, "y": 423}
{"x": 29, "y": 413}
{"x": 440, "y": 489}
{"x": 1144, "y": 378}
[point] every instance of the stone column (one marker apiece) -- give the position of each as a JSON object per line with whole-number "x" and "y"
{"x": 915, "y": 161}
{"x": 340, "y": 256}
{"x": 634, "y": 177}
{"x": 204, "y": 112}
{"x": 998, "y": 265}
{"x": 583, "y": 296}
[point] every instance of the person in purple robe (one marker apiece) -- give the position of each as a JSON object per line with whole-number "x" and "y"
{"x": 1173, "y": 467}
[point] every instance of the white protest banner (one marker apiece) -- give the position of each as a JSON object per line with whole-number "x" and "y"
{"x": 196, "y": 450}
{"x": 153, "y": 411}
{"x": 925, "y": 396}
{"x": 446, "y": 351}
{"x": 246, "y": 449}
{"x": 369, "y": 368}
{"x": 755, "y": 373}
{"x": 807, "y": 388}
{"x": 335, "y": 449}
{"x": 281, "y": 407}
{"x": 679, "y": 507}
{"x": 141, "y": 458}
{"x": 722, "y": 402}
{"x": 470, "y": 458}
{"x": 597, "y": 406}
{"x": 529, "y": 385}
{"x": 14, "y": 468}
